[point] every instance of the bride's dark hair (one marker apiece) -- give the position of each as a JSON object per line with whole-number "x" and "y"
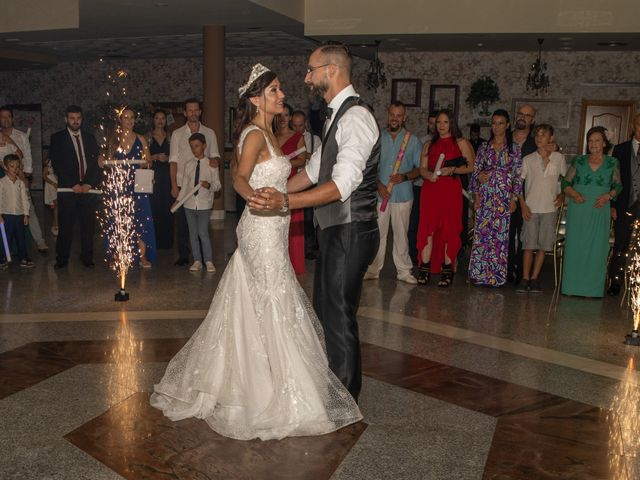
{"x": 246, "y": 109}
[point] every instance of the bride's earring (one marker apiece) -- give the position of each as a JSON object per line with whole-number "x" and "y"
{"x": 257, "y": 109}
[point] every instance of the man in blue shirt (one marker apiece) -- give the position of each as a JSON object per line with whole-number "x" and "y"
{"x": 395, "y": 192}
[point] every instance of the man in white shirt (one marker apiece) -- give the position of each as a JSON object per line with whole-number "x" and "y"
{"x": 542, "y": 170}
{"x": 179, "y": 154}
{"x": 22, "y": 142}
{"x": 312, "y": 143}
{"x": 346, "y": 171}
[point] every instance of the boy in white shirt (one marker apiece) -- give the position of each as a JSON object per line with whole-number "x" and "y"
{"x": 542, "y": 170}
{"x": 197, "y": 207}
{"x": 14, "y": 210}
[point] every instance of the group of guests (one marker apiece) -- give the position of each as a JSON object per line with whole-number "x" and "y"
{"x": 517, "y": 182}
{"x": 75, "y": 171}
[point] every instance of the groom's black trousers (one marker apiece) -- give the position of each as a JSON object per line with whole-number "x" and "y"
{"x": 345, "y": 253}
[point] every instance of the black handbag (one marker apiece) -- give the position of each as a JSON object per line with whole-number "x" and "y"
{"x": 455, "y": 162}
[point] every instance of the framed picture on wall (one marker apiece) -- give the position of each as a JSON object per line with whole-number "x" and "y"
{"x": 615, "y": 116}
{"x": 407, "y": 91}
{"x": 444, "y": 97}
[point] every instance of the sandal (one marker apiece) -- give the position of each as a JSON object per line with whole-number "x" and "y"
{"x": 424, "y": 272}
{"x": 446, "y": 276}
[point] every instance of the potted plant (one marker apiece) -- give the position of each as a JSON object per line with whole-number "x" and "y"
{"x": 484, "y": 91}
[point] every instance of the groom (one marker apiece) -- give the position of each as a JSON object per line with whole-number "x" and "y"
{"x": 345, "y": 169}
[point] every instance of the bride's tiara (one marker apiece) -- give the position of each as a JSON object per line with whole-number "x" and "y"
{"x": 257, "y": 70}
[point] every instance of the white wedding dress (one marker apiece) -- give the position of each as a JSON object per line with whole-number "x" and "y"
{"x": 257, "y": 367}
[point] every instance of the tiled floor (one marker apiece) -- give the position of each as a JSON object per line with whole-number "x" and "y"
{"x": 463, "y": 383}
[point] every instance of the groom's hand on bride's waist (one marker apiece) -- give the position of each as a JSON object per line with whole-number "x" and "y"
{"x": 266, "y": 198}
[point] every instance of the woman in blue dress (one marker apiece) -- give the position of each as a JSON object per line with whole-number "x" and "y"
{"x": 128, "y": 145}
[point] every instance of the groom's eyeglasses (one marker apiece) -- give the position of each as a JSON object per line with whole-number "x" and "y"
{"x": 311, "y": 69}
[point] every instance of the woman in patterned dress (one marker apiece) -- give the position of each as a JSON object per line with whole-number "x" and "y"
{"x": 496, "y": 184}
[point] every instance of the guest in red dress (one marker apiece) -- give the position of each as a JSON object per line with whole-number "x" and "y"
{"x": 441, "y": 200}
{"x": 290, "y": 141}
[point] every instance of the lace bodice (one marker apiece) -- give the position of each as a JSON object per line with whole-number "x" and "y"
{"x": 271, "y": 173}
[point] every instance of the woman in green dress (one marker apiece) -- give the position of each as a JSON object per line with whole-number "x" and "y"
{"x": 592, "y": 181}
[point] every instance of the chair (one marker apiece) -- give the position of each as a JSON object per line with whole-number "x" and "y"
{"x": 558, "y": 244}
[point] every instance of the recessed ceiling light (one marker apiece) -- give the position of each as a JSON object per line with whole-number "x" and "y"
{"x": 565, "y": 39}
{"x": 566, "y": 48}
{"x": 480, "y": 45}
{"x": 11, "y": 39}
{"x": 612, "y": 44}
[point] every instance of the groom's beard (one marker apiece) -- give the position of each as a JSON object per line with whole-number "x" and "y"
{"x": 318, "y": 90}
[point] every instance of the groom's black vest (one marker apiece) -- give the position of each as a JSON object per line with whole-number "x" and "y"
{"x": 361, "y": 205}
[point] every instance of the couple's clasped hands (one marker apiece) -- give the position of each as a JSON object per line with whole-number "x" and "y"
{"x": 266, "y": 199}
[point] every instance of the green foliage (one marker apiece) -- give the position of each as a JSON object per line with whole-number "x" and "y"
{"x": 484, "y": 91}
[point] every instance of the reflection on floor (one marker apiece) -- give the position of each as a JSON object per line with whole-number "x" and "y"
{"x": 461, "y": 383}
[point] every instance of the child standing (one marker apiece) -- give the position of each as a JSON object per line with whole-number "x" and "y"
{"x": 14, "y": 210}
{"x": 198, "y": 207}
{"x": 542, "y": 170}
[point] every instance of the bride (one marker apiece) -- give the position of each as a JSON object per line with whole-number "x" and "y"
{"x": 257, "y": 367}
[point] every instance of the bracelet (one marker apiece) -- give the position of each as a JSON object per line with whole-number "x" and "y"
{"x": 285, "y": 205}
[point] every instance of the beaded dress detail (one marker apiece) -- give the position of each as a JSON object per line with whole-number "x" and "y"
{"x": 257, "y": 367}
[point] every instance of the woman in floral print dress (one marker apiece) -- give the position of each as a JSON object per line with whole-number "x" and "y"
{"x": 496, "y": 184}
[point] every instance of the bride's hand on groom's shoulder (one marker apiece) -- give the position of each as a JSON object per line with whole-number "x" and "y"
{"x": 265, "y": 198}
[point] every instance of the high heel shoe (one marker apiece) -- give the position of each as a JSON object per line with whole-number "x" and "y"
{"x": 446, "y": 276}
{"x": 424, "y": 273}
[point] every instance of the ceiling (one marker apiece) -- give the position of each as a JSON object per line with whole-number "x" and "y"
{"x": 173, "y": 28}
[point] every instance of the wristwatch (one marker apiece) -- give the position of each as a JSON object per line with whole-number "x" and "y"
{"x": 285, "y": 205}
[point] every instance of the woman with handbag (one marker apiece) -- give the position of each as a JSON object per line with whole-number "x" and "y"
{"x": 441, "y": 199}
{"x": 128, "y": 145}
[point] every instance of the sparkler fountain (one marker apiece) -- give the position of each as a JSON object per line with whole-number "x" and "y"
{"x": 118, "y": 216}
{"x": 633, "y": 338}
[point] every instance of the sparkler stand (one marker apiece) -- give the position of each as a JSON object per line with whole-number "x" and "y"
{"x": 122, "y": 296}
{"x": 632, "y": 338}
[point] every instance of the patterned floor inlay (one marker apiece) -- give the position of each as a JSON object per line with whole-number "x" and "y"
{"x": 538, "y": 435}
{"x": 138, "y": 442}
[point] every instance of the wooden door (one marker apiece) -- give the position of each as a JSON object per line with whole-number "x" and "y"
{"x": 615, "y": 116}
